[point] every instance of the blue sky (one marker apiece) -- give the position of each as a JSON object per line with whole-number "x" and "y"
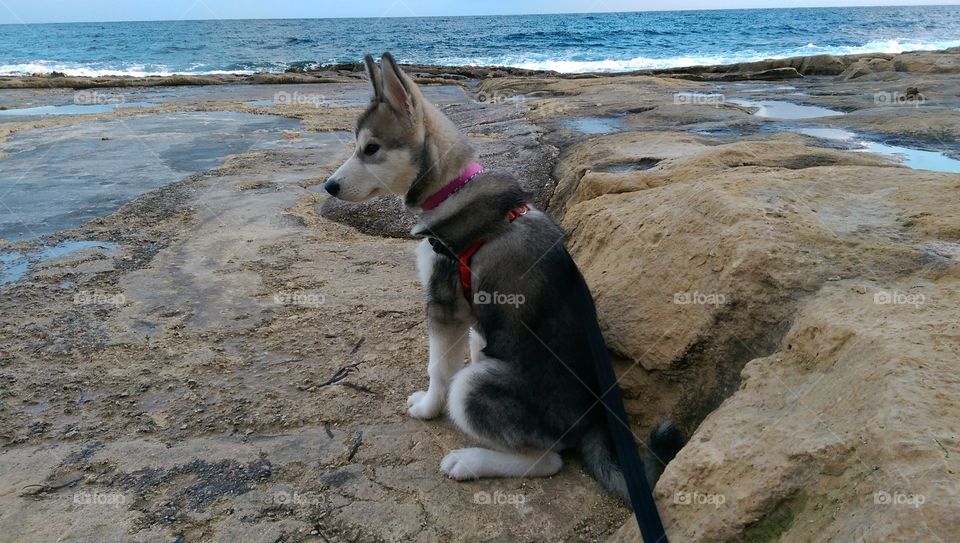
{"x": 41, "y": 11}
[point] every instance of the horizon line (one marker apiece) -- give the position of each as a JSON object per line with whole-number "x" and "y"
{"x": 479, "y": 15}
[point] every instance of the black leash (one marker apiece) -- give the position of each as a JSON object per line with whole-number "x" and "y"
{"x": 641, "y": 496}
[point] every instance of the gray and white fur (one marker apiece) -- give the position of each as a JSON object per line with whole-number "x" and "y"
{"x": 529, "y": 391}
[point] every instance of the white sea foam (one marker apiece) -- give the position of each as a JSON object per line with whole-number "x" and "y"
{"x": 647, "y": 63}
{"x": 892, "y": 46}
{"x": 47, "y": 67}
{"x": 610, "y": 65}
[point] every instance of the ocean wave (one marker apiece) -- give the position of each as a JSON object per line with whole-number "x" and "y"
{"x": 888, "y": 46}
{"x": 531, "y": 61}
{"x": 48, "y": 67}
{"x": 652, "y": 63}
{"x": 43, "y": 67}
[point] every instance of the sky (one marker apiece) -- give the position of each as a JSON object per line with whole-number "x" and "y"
{"x": 47, "y": 11}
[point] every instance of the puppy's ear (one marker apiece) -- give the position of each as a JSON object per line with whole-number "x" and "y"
{"x": 396, "y": 87}
{"x": 373, "y": 71}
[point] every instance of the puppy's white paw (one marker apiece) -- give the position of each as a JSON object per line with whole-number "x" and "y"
{"x": 421, "y": 405}
{"x": 463, "y": 464}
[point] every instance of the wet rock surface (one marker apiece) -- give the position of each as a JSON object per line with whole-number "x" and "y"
{"x": 103, "y": 164}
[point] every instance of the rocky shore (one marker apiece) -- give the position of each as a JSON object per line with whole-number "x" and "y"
{"x": 774, "y": 249}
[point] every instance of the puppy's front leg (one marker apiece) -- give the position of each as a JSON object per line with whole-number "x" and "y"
{"x": 448, "y": 345}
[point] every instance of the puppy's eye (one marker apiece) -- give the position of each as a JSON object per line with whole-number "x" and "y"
{"x": 371, "y": 149}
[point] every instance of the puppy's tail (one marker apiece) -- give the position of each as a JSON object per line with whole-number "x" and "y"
{"x": 599, "y": 456}
{"x": 600, "y": 460}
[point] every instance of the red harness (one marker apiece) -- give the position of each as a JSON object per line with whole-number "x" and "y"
{"x": 431, "y": 202}
{"x": 466, "y": 276}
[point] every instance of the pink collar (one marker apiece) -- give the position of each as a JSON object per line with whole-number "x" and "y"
{"x": 472, "y": 170}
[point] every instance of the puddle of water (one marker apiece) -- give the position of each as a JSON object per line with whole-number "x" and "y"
{"x": 15, "y": 265}
{"x": 594, "y": 125}
{"x": 721, "y": 131}
{"x": 911, "y": 158}
{"x": 68, "y": 246}
{"x": 764, "y": 88}
{"x": 58, "y": 178}
{"x": 773, "y": 109}
{"x": 833, "y": 134}
{"x": 627, "y": 167}
{"x": 71, "y": 109}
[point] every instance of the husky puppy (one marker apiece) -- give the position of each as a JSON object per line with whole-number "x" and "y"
{"x": 501, "y": 285}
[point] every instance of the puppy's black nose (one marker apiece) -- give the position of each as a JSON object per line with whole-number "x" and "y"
{"x": 332, "y": 187}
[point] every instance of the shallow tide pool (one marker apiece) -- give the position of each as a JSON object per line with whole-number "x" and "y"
{"x": 595, "y": 125}
{"x": 773, "y": 109}
{"x": 911, "y": 158}
{"x": 14, "y": 265}
{"x": 70, "y": 109}
{"x": 60, "y": 177}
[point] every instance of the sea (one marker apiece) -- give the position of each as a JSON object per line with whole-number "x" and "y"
{"x": 596, "y": 42}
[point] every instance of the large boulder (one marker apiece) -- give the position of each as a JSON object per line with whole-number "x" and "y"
{"x": 917, "y": 62}
{"x": 706, "y": 232}
{"x": 848, "y": 433}
{"x": 868, "y": 67}
{"x": 821, "y": 65}
{"x": 754, "y": 277}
